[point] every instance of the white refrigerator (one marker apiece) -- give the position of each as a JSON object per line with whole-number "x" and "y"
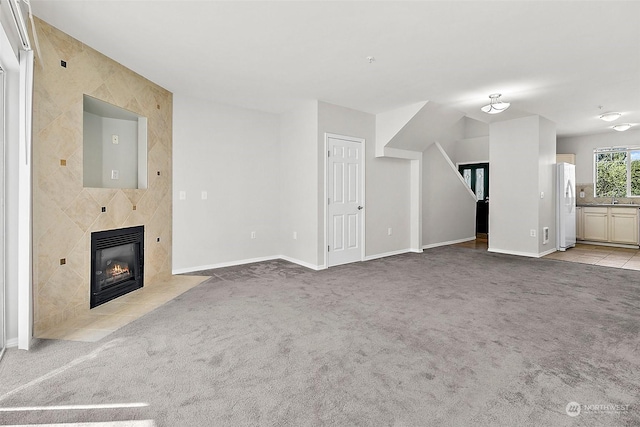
{"x": 566, "y": 206}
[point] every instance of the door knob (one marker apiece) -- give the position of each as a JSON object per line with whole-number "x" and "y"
{"x": 360, "y": 208}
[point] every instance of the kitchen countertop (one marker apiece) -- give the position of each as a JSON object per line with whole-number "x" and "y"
{"x": 607, "y": 205}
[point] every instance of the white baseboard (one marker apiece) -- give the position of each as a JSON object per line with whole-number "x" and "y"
{"x": 302, "y": 263}
{"x": 284, "y": 258}
{"x": 386, "y": 254}
{"x": 222, "y": 264}
{"x": 246, "y": 261}
{"x": 12, "y": 342}
{"x": 518, "y": 253}
{"x": 450, "y": 242}
{"x": 545, "y": 253}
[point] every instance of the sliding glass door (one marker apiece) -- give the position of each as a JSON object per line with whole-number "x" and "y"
{"x": 2, "y": 296}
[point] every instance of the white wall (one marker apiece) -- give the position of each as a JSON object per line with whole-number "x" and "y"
{"x": 101, "y": 155}
{"x": 233, "y": 154}
{"x": 123, "y": 156}
{"x": 299, "y": 186}
{"x": 387, "y": 182}
{"x": 513, "y": 174}
{"x": 475, "y": 128}
{"x": 583, "y": 146}
{"x": 449, "y": 207}
{"x": 471, "y": 150}
{"x": 449, "y": 138}
{"x": 467, "y": 142}
{"x": 265, "y": 173}
{"x": 547, "y": 184}
{"x": 92, "y": 150}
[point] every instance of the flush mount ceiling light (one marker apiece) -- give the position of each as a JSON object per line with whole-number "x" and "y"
{"x": 622, "y": 127}
{"x": 609, "y": 117}
{"x": 496, "y": 106}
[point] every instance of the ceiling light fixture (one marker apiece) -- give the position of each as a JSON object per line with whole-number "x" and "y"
{"x": 622, "y": 127}
{"x": 609, "y": 117}
{"x": 496, "y": 106}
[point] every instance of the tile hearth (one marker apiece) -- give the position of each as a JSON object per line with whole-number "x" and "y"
{"x": 111, "y": 316}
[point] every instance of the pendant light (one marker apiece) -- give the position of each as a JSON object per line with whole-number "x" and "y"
{"x": 496, "y": 106}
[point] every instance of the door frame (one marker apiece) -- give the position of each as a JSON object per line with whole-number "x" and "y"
{"x": 473, "y": 164}
{"x": 3, "y": 296}
{"x": 487, "y": 177}
{"x": 325, "y": 202}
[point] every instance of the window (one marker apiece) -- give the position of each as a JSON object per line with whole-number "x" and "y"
{"x": 617, "y": 172}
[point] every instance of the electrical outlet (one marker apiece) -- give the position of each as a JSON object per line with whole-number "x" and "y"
{"x": 545, "y": 235}
{"x": 182, "y": 195}
{"x": 253, "y": 234}
{"x": 204, "y": 195}
{"x": 114, "y": 139}
{"x": 532, "y": 232}
{"x": 115, "y": 174}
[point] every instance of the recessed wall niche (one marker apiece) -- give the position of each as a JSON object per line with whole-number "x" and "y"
{"x": 115, "y": 146}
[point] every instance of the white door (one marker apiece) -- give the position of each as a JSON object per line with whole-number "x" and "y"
{"x": 345, "y": 200}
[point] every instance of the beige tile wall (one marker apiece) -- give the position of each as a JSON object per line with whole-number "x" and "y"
{"x": 590, "y": 198}
{"x": 65, "y": 213}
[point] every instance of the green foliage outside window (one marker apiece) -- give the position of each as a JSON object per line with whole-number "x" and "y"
{"x": 635, "y": 174}
{"x": 612, "y": 170}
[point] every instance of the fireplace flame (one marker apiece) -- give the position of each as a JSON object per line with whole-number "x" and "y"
{"x": 118, "y": 269}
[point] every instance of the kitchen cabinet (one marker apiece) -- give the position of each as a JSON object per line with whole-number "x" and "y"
{"x": 596, "y": 224}
{"x": 579, "y": 225}
{"x": 623, "y": 225}
{"x": 607, "y": 224}
{"x": 567, "y": 158}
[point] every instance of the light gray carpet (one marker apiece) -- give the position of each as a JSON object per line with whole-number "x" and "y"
{"x": 451, "y": 337}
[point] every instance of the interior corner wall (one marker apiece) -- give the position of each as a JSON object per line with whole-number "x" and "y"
{"x": 448, "y": 140}
{"x": 387, "y": 182}
{"x": 299, "y": 185}
{"x": 513, "y": 174}
{"x": 449, "y": 210}
{"x": 233, "y": 155}
{"x": 547, "y": 184}
{"x": 472, "y": 150}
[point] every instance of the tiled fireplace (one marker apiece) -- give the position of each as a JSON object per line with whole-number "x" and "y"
{"x": 66, "y": 213}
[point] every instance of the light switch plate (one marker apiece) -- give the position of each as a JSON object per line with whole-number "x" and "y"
{"x": 182, "y": 195}
{"x": 204, "y": 195}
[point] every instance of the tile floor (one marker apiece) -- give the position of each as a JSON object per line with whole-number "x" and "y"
{"x": 583, "y": 253}
{"x": 109, "y": 317}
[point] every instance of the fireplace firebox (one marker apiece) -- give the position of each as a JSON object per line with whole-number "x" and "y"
{"x": 117, "y": 263}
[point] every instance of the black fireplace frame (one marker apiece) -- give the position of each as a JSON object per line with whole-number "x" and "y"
{"x": 108, "y": 239}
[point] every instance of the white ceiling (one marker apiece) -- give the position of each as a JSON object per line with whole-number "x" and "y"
{"x": 558, "y": 59}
